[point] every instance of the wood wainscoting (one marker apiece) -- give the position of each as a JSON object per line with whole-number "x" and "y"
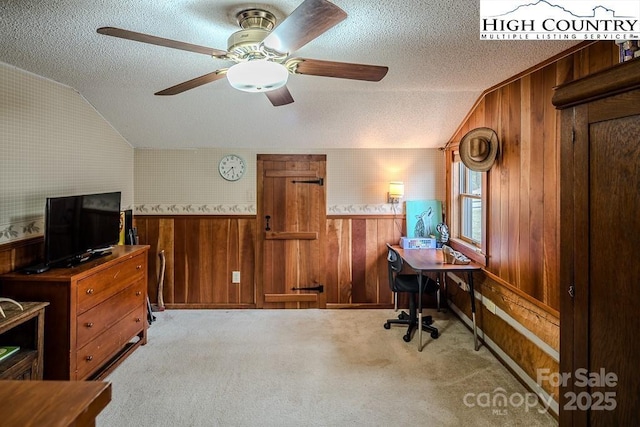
{"x": 20, "y": 254}
{"x": 202, "y": 252}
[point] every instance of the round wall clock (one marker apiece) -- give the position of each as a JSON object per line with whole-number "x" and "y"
{"x": 231, "y": 167}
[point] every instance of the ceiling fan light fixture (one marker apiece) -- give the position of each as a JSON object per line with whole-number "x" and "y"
{"x": 257, "y": 76}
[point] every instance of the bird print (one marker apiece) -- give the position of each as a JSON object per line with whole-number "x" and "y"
{"x": 424, "y": 225}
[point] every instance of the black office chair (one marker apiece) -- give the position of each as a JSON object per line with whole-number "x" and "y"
{"x": 408, "y": 283}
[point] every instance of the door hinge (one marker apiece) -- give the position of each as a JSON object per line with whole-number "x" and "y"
{"x": 572, "y": 291}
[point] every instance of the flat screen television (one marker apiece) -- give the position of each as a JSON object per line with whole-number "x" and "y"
{"x": 77, "y": 226}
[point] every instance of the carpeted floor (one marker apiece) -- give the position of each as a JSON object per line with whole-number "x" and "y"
{"x": 311, "y": 368}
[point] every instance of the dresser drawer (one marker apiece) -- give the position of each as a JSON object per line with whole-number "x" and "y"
{"x": 94, "y": 289}
{"x": 93, "y": 355}
{"x": 96, "y": 320}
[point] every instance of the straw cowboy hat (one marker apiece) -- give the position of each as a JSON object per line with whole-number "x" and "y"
{"x": 479, "y": 149}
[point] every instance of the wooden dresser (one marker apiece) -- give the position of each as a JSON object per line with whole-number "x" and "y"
{"x": 97, "y": 313}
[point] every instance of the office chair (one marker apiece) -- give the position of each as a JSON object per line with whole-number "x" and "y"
{"x": 408, "y": 283}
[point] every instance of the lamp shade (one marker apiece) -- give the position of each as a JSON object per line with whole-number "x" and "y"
{"x": 396, "y": 189}
{"x": 257, "y": 76}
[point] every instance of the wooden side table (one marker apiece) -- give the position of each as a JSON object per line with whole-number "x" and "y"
{"x": 52, "y": 403}
{"x": 24, "y": 328}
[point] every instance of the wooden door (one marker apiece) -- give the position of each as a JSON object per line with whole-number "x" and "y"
{"x": 600, "y": 262}
{"x": 291, "y": 231}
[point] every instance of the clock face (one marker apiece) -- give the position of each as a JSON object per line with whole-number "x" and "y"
{"x": 231, "y": 167}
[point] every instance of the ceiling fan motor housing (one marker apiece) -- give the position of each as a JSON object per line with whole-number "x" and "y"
{"x": 246, "y": 44}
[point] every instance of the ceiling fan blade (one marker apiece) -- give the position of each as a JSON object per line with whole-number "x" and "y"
{"x": 343, "y": 70}
{"x": 308, "y": 21}
{"x": 193, "y": 83}
{"x": 280, "y": 96}
{"x": 159, "y": 41}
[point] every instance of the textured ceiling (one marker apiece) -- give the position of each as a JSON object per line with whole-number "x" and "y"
{"x": 437, "y": 69}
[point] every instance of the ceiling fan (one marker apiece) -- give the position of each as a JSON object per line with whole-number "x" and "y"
{"x": 261, "y": 51}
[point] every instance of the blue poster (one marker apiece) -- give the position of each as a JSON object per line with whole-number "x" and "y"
{"x": 422, "y": 218}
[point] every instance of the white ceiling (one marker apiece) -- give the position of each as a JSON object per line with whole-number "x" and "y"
{"x": 437, "y": 69}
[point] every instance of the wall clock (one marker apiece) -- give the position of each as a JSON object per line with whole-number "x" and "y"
{"x": 231, "y": 167}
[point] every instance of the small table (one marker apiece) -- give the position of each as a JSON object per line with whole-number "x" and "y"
{"x": 432, "y": 260}
{"x": 15, "y": 330}
{"x": 52, "y": 403}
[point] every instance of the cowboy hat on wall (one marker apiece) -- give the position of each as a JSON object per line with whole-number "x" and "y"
{"x": 479, "y": 149}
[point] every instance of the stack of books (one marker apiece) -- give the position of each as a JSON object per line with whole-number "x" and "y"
{"x": 7, "y": 351}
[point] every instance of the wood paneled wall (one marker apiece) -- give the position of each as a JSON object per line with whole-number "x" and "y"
{"x": 356, "y": 262}
{"x": 20, "y": 254}
{"x": 523, "y": 204}
{"x": 202, "y": 251}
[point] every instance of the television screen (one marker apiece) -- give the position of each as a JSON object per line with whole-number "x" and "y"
{"x": 76, "y": 225}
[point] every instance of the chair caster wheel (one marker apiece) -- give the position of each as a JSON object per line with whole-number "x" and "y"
{"x": 406, "y": 338}
{"x": 387, "y": 326}
{"x": 434, "y": 335}
{"x": 403, "y": 316}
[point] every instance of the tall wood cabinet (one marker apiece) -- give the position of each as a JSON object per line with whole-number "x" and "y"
{"x": 97, "y": 312}
{"x": 600, "y": 248}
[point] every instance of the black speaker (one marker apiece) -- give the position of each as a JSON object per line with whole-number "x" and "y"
{"x": 131, "y": 234}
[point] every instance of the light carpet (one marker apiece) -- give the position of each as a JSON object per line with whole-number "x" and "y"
{"x": 311, "y": 368}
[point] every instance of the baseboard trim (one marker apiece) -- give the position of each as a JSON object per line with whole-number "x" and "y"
{"x": 545, "y": 398}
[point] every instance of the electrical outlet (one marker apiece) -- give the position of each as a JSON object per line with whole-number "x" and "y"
{"x": 235, "y": 277}
{"x": 491, "y": 306}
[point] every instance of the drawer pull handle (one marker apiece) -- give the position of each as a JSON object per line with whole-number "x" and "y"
{"x": 138, "y": 267}
{"x": 89, "y": 358}
{"x": 90, "y": 325}
{"x": 138, "y": 320}
{"x": 138, "y": 293}
{"x": 89, "y": 291}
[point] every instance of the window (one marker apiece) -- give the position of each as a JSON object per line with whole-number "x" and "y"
{"x": 468, "y": 210}
{"x": 470, "y": 201}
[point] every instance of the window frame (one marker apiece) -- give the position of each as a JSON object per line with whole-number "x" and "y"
{"x": 475, "y": 251}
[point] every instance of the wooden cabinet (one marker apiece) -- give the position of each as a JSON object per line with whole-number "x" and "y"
{"x": 97, "y": 313}
{"x": 23, "y": 328}
{"x": 599, "y": 248}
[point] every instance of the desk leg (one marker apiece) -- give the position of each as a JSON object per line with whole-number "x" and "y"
{"x": 420, "y": 310}
{"x": 438, "y": 293}
{"x": 473, "y": 310}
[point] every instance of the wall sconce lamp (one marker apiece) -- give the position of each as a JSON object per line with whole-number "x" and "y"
{"x": 396, "y": 191}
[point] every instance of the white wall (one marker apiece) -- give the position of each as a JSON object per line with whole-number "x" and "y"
{"x": 52, "y": 143}
{"x": 187, "y": 181}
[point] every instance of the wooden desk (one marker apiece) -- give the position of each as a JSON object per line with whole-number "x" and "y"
{"x": 432, "y": 260}
{"x": 52, "y": 403}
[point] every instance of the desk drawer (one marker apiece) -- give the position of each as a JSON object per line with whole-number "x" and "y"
{"x": 94, "y": 289}
{"x": 96, "y": 320}
{"x": 93, "y": 355}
